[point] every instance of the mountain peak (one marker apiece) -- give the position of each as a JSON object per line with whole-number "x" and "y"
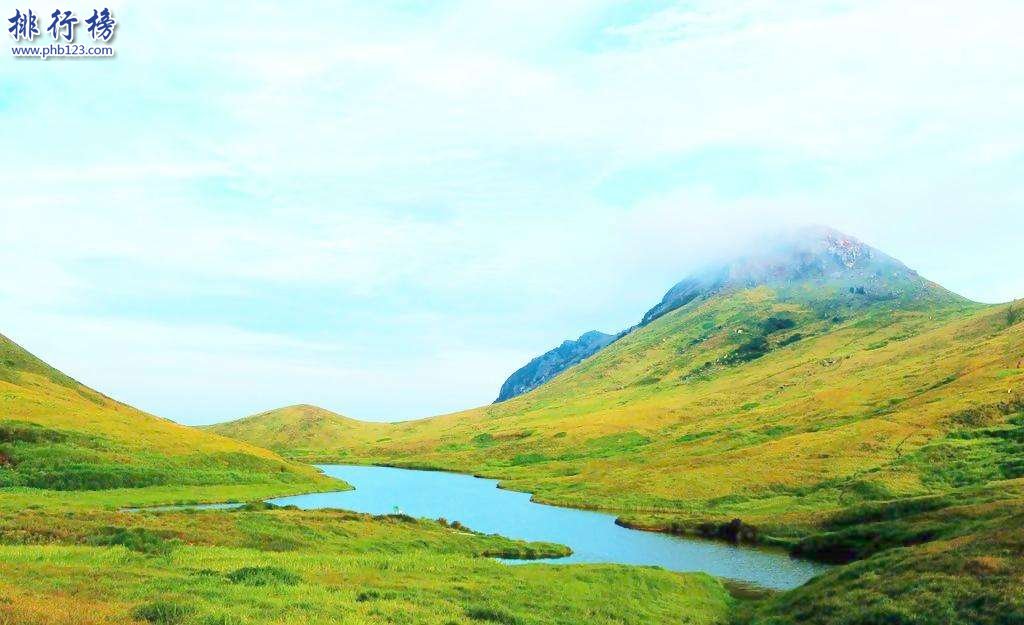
{"x": 809, "y": 263}
{"x": 819, "y": 256}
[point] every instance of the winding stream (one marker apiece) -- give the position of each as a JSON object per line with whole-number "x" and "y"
{"x": 593, "y": 536}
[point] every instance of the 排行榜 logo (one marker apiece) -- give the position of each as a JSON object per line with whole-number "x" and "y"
{"x": 62, "y": 27}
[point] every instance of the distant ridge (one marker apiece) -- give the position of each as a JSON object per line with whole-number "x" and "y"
{"x": 551, "y": 363}
{"x": 301, "y": 426}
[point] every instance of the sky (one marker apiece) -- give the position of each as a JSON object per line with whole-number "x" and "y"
{"x": 385, "y": 208}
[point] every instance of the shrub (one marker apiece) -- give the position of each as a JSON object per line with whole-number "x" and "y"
{"x": 792, "y": 338}
{"x": 492, "y": 614}
{"x": 372, "y": 594}
{"x": 774, "y": 324}
{"x": 263, "y": 576}
{"x": 483, "y": 440}
{"x": 136, "y": 538}
{"x": 1013, "y": 315}
{"x": 752, "y": 349}
{"x": 735, "y": 531}
{"x": 162, "y": 612}
{"x": 859, "y": 542}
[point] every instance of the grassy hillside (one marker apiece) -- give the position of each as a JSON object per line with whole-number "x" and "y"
{"x": 937, "y": 560}
{"x": 303, "y": 431}
{"x": 71, "y": 459}
{"x": 59, "y": 435}
{"x": 886, "y": 435}
{"x": 758, "y": 403}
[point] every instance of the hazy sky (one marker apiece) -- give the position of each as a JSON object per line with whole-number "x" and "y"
{"x": 384, "y": 208}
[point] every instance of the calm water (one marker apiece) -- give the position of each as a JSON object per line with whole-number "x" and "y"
{"x": 593, "y": 536}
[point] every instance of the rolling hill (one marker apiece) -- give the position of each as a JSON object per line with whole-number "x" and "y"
{"x": 303, "y": 431}
{"x": 851, "y": 410}
{"x": 805, "y": 376}
{"x": 58, "y": 434}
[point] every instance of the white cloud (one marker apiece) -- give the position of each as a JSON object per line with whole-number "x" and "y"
{"x": 438, "y": 177}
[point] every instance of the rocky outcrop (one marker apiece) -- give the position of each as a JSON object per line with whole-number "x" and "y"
{"x": 544, "y": 367}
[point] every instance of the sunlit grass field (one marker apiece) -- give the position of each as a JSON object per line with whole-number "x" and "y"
{"x": 292, "y": 567}
{"x": 57, "y": 434}
{"x": 72, "y": 461}
{"x": 887, "y": 438}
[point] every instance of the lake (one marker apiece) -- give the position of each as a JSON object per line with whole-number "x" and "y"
{"x": 593, "y": 536}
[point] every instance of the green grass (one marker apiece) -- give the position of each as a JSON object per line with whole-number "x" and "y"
{"x": 714, "y": 411}
{"x": 887, "y": 436}
{"x": 288, "y": 567}
{"x": 882, "y": 432}
{"x": 58, "y": 435}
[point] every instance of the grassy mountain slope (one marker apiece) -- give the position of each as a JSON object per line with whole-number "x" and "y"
{"x": 886, "y": 435}
{"x": 753, "y": 403}
{"x": 937, "y": 560}
{"x": 71, "y": 457}
{"x": 60, "y": 435}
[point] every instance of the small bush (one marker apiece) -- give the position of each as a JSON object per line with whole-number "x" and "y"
{"x": 137, "y": 539}
{"x": 372, "y": 594}
{"x": 774, "y": 324}
{"x": 263, "y": 576}
{"x": 483, "y": 440}
{"x": 25, "y": 432}
{"x": 792, "y": 338}
{"x": 162, "y": 612}
{"x": 859, "y": 542}
{"x": 492, "y": 614}
{"x": 1013, "y": 315}
{"x": 522, "y": 459}
{"x": 752, "y": 349}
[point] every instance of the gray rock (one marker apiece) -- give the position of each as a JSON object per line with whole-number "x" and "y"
{"x": 544, "y": 367}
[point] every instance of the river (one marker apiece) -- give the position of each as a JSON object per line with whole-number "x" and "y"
{"x": 593, "y": 536}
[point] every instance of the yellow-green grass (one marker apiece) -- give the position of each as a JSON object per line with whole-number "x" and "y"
{"x": 57, "y": 434}
{"x": 298, "y": 430}
{"x": 72, "y": 459}
{"x": 949, "y": 559}
{"x": 677, "y": 419}
{"x": 291, "y": 567}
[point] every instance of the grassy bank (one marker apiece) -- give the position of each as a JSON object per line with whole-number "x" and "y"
{"x": 288, "y": 566}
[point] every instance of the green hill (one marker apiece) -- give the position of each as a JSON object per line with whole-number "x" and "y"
{"x": 807, "y": 378}
{"x": 302, "y": 430}
{"x": 851, "y": 410}
{"x": 60, "y": 435}
{"x": 71, "y": 459}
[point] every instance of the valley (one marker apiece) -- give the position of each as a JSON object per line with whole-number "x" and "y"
{"x": 823, "y": 394}
{"x": 84, "y": 539}
{"x": 818, "y": 398}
